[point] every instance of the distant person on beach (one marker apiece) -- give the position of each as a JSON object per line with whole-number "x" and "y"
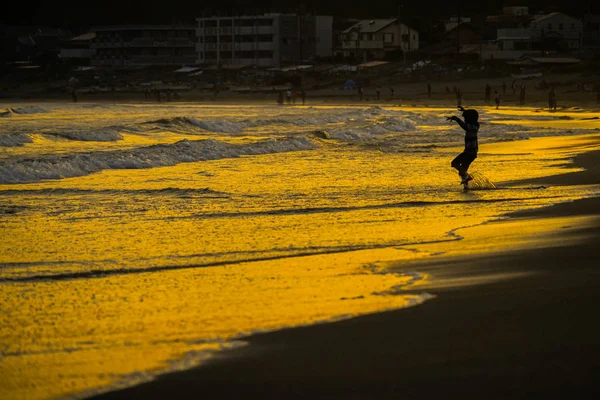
{"x": 503, "y": 88}
{"x": 280, "y": 98}
{"x": 522, "y": 95}
{"x": 360, "y": 92}
{"x": 428, "y": 89}
{"x": 392, "y": 92}
{"x": 497, "y": 98}
{"x": 74, "y": 95}
{"x": 378, "y": 92}
{"x": 471, "y": 126}
{"x": 303, "y": 96}
{"x": 288, "y": 96}
{"x": 552, "y": 99}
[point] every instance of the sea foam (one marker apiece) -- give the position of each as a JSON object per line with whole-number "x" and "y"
{"x": 78, "y": 164}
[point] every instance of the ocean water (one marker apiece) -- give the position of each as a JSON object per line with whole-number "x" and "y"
{"x": 139, "y": 239}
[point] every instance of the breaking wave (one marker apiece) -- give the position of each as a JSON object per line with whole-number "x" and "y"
{"x": 59, "y": 167}
{"x": 109, "y": 134}
{"x": 14, "y": 139}
{"x": 184, "y": 123}
{"x": 10, "y": 111}
{"x": 372, "y": 129}
{"x": 310, "y": 117}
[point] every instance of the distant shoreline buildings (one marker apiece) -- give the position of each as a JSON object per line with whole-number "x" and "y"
{"x": 275, "y": 40}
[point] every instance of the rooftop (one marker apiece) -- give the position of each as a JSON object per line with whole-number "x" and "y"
{"x": 551, "y": 15}
{"x": 370, "y": 25}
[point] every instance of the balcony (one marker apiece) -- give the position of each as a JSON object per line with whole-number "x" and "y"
{"x": 251, "y": 30}
{"x": 254, "y": 46}
{"x": 151, "y": 42}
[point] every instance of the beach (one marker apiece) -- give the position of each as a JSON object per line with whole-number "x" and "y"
{"x": 531, "y": 335}
{"x": 155, "y": 250}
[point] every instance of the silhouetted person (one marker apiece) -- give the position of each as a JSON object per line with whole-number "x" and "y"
{"x": 288, "y": 96}
{"x": 429, "y": 90}
{"x": 497, "y": 98}
{"x": 74, "y": 95}
{"x": 471, "y": 127}
{"x": 378, "y": 92}
{"x": 280, "y": 98}
{"x": 303, "y": 96}
{"x": 522, "y": 95}
{"x": 552, "y": 99}
{"x": 514, "y": 87}
{"x": 360, "y": 92}
{"x": 392, "y": 91}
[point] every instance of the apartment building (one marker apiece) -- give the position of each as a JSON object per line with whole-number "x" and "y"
{"x": 269, "y": 40}
{"x": 125, "y": 45}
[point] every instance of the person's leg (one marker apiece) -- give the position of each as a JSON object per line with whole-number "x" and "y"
{"x": 457, "y": 164}
{"x": 466, "y": 163}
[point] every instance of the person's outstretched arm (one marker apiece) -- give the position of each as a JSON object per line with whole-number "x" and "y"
{"x": 458, "y": 121}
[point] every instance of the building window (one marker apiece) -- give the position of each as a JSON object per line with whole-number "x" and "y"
{"x": 388, "y": 38}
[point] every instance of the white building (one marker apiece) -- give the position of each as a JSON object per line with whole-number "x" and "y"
{"x": 269, "y": 40}
{"x": 562, "y": 26}
{"x": 370, "y": 40}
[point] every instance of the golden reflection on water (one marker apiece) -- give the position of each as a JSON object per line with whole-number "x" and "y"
{"x": 66, "y": 336}
{"x": 235, "y": 246}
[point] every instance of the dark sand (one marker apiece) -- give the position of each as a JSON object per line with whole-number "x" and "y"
{"x": 531, "y": 337}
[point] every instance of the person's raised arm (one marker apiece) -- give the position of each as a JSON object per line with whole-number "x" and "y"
{"x": 458, "y": 121}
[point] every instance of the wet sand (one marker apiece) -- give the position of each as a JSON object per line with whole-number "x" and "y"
{"x": 530, "y": 336}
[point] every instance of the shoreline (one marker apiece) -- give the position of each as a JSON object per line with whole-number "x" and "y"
{"x": 407, "y": 93}
{"x": 531, "y": 336}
